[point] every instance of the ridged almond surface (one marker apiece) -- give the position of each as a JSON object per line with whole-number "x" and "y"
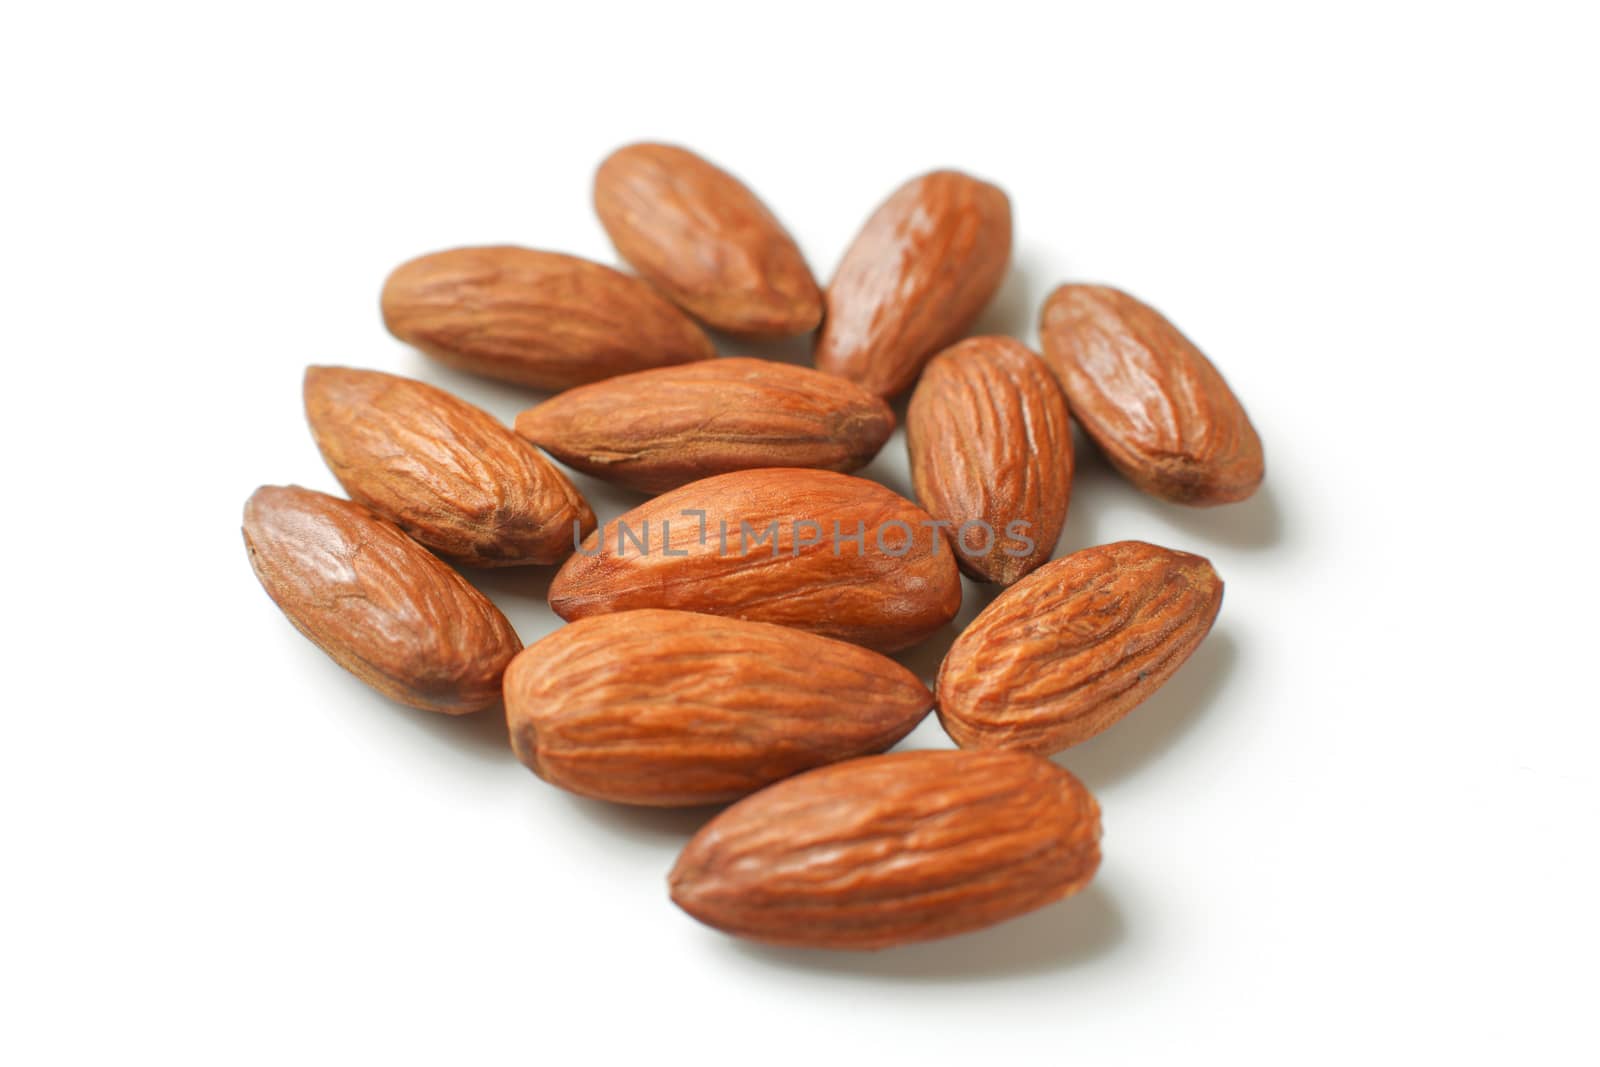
{"x": 885, "y": 594}
{"x": 448, "y": 473}
{"x": 696, "y": 233}
{"x": 675, "y": 708}
{"x": 892, "y": 849}
{"x": 659, "y": 429}
{"x": 1149, "y": 398}
{"x": 1075, "y": 646}
{"x": 540, "y": 319}
{"x": 917, "y": 276}
{"x": 991, "y": 446}
{"x": 377, "y": 602}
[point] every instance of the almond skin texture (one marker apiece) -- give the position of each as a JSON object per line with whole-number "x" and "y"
{"x": 1155, "y": 405}
{"x": 377, "y": 602}
{"x": 991, "y": 445}
{"x": 447, "y": 473}
{"x": 659, "y": 429}
{"x": 674, "y": 708}
{"x": 697, "y": 234}
{"x": 1075, "y": 646}
{"x": 892, "y": 849}
{"x": 884, "y": 596}
{"x": 540, "y": 319}
{"x": 915, "y": 279}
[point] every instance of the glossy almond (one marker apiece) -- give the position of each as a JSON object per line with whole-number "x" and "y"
{"x": 915, "y": 279}
{"x": 892, "y": 849}
{"x": 895, "y": 587}
{"x": 696, "y": 233}
{"x": 540, "y": 319}
{"x": 1149, "y": 398}
{"x": 991, "y": 454}
{"x": 377, "y": 602}
{"x": 659, "y": 429}
{"x": 675, "y": 708}
{"x": 448, "y": 473}
{"x": 1075, "y": 646}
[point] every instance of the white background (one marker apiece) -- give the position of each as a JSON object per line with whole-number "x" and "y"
{"x": 1359, "y": 825}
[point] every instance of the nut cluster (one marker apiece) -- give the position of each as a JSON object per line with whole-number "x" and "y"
{"x": 727, "y": 637}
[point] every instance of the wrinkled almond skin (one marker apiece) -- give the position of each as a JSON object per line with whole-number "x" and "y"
{"x": 447, "y": 473}
{"x": 888, "y": 850}
{"x": 1075, "y": 646}
{"x": 673, "y": 708}
{"x": 377, "y": 602}
{"x": 659, "y": 429}
{"x": 1149, "y": 398}
{"x": 990, "y": 446}
{"x": 915, "y": 279}
{"x": 869, "y": 596}
{"x": 540, "y": 319}
{"x": 696, "y": 233}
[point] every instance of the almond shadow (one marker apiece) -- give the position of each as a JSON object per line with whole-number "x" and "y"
{"x": 1257, "y": 523}
{"x": 1069, "y": 933}
{"x": 924, "y": 657}
{"x": 639, "y": 824}
{"x": 1147, "y": 732}
{"x": 482, "y": 734}
{"x": 504, "y": 400}
{"x": 522, "y": 594}
{"x": 1014, "y": 309}
{"x": 795, "y": 350}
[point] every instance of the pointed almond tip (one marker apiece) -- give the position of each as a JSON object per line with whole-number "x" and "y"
{"x": 807, "y": 317}
{"x": 321, "y": 376}
{"x": 559, "y": 597}
{"x": 530, "y": 423}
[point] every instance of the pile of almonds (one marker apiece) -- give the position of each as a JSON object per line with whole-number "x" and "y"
{"x": 726, "y": 637}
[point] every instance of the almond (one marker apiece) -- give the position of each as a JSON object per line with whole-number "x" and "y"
{"x": 991, "y": 453}
{"x": 540, "y": 319}
{"x": 674, "y": 708}
{"x": 1143, "y": 392}
{"x": 697, "y": 234}
{"x": 892, "y": 849}
{"x": 1075, "y": 646}
{"x": 915, "y": 279}
{"x": 659, "y": 429}
{"x": 819, "y": 551}
{"x": 377, "y": 602}
{"x": 448, "y": 473}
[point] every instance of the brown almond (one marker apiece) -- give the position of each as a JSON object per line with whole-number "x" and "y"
{"x": 675, "y": 708}
{"x": 915, "y": 279}
{"x": 888, "y": 850}
{"x": 377, "y": 602}
{"x": 696, "y": 233}
{"x": 991, "y": 454}
{"x": 540, "y": 319}
{"x": 761, "y": 545}
{"x": 659, "y": 429}
{"x": 1150, "y": 399}
{"x": 448, "y": 473}
{"x": 1075, "y": 646}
